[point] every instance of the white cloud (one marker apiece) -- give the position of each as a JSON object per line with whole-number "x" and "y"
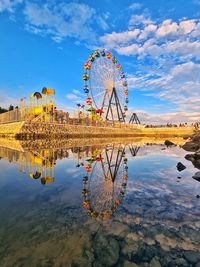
{"x": 135, "y": 6}
{"x": 9, "y": 5}
{"x": 136, "y": 20}
{"x": 184, "y": 48}
{"x": 168, "y": 39}
{"x": 77, "y": 92}
{"x": 73, "y": 97}
{"x": 128, "y": 50}
{"x": 102, "y": 22}
{"x": 187, "y": 26}
{"x": 149, "y": 29}
{"x": 76, "y": 97}
{"x": 180, "y": 87}
{"x": 114, "y": 39}
{"x": 62, "y": 20}
{"x": 169, "y": 117}
{"x": 167, "y": 27}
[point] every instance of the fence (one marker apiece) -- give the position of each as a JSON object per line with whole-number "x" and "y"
{"x": 18, "y": 115}
{"x": 11, "y": 116}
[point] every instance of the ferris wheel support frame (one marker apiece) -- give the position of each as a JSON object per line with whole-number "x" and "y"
{"x": 117, "y": 162}
{"x": 134, "y": 150}
{"x": 114, "y": 97}
{"x": 134, "y": 119}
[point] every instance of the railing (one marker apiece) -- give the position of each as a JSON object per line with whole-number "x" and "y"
{"x": 18, "y": 115}
{"x": 11, "y": 116}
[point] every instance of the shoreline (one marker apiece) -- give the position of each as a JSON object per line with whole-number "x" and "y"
{"x": 33, "y": 131}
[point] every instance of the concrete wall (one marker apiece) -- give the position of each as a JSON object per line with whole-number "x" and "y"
{"x": 38, "y": 130}
{"x": 22, "y": 130}
{"x": 11, "y": 129}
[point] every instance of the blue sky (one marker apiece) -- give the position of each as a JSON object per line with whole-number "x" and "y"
{"x": 45, "y": 43}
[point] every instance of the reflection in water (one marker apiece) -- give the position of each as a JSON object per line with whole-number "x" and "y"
{"x": 140, "y": 213}
{"x": 104, "y": 184}
{"x": 105, "y": 178}
{"x": 38, "y": 165}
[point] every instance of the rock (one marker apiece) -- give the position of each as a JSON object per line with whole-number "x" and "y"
{"x": 192, "y": 256}
{"x": 191, "y": 146}
{"x": 196, "y": 164}
{"x": 181, "y": 262}
{"x": 106, "y": 250}
{"x": 80, "y": 263}
{"x": 130, "y": 264}
{"x": 119, "y": 229}
{"x": 195, "y": 159}
{"x": 89, "y": 254}
{"x": 166, "y": 242}
{"x": 169, "y": 143}
{"x": 189, "y": 157}
{"x": 196, "y": 138}
{"x": 197, "y": 176}
{"x": 145, "y": 253}
{"x": 155, "y": 262}
{"x": 130, "y": 249}
{"x": 180, "y": 167}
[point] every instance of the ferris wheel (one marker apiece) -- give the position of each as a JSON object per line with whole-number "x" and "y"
{"x": 106, "y": 86}
{"x": 104, "y": 184}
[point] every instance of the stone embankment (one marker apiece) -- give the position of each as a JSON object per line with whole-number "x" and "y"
{"x": 28, "y": 130}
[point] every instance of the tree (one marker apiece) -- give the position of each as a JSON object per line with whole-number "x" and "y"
{"x": 2, "y": 110}
{"x": 11, "y": 107}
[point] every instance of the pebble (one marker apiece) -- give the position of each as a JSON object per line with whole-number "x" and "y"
{"x": 192, "y": 256}
{"x": 106, "y": 250}
{"x": 130, "y": 264}
{"x": 155, "y": 262}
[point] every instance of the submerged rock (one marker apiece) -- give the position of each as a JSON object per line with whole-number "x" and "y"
{"x": 197, "y": 176}
{"x": 106, "y": 250}
{"x": 155, "y": 262}
{"x": 180, "y": 262}
{"x": 189, "y": 157}
{"x": 192, "y": 256}
{"x": 191, "y": 146}
{"x": 194, "y": 158}
{"x": 196, "y": 138}
{"x": 169, "y": 143}
{"x": 180, "y": 167}
{"x": 119, "y": 229}
{"x": 130, "y": 264}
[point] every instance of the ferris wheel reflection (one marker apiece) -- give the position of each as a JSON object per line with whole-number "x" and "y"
{"x": 105, "y": 181}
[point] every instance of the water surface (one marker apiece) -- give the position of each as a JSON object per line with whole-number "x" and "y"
{"x": 111, "y": 204}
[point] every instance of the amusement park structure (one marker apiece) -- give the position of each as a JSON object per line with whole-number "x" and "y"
{"x": 134, "y": 119}
{"x": 41, "y": 106}
{"x": 106, "y": 87}
{"x": 106, "y": 103}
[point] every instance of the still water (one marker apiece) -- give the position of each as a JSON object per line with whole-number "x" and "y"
{"x": 98, "y": 203}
